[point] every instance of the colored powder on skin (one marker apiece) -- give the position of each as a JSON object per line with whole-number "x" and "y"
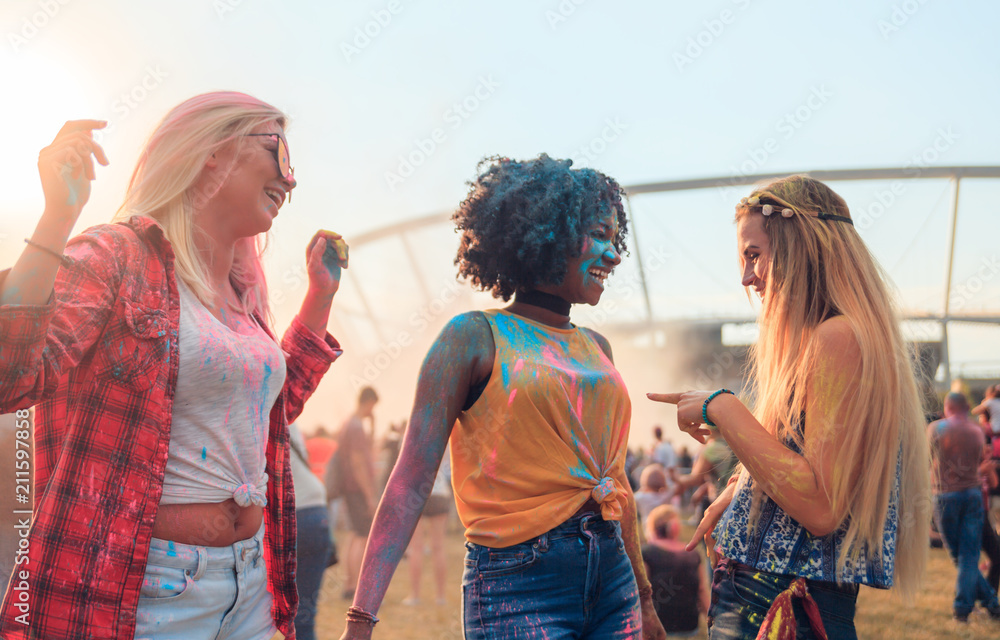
{"x": 71, "y": 185}
{"x": 204, "y": 453}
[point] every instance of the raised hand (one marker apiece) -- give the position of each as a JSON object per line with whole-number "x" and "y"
{"x": 66, "y": 168}
{"x": 326, "y": 255}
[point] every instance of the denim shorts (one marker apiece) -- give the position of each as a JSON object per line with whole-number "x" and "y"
{"x": 741, "y": 597}
{"x": 574, "y": 581}
{"x": 192, "y": 593}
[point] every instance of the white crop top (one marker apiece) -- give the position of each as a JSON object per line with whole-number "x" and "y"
{"x": 229, "y": 378}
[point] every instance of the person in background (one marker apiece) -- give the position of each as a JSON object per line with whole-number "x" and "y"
{"x": 356, "y": 457}
{"x": 680, "y": 588}
{"x": 711, "y": 472}
{"x": 958, "y": 447}
{"x": 312, "y": 539}
{"x": 320, "y": 446}
{"x": 661, "y": 452}
{"x": 652, "y": 490}
{"x": 991, "y": 541}
{"x": 993, "y": 490}
{"x": 389, "y": 453}
{"x": 990, "y": 407}
{"x": 684, "y": 460}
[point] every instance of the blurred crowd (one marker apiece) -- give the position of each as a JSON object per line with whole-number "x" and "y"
{"x": 673, "y": 485}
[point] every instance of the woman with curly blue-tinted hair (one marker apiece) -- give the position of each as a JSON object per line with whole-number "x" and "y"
{"x": 537, "y": 417}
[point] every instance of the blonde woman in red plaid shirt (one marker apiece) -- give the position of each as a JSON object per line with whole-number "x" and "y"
{"x": 163, "y": 492}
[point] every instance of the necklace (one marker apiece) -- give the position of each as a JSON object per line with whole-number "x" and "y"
{"x": 536, "y": 298}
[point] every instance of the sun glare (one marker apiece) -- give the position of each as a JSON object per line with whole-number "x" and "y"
{"x": 45, "y": 96}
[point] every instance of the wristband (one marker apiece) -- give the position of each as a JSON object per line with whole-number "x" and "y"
{"x": 704, "y": 406}
{"x": 64, "y": 259}
{"x": 357, "y": 614}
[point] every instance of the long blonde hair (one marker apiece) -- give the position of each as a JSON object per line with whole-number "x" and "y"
{"x": 820, "y": 269}
{"x": 163, "y": 187}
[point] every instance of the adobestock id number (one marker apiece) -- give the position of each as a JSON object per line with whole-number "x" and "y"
{"x": 22, "y": 455}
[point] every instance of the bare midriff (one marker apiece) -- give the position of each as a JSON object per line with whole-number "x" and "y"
{"x": 214, "y": 524}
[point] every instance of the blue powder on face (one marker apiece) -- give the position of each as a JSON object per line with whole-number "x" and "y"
{"x": 204, "y": 453}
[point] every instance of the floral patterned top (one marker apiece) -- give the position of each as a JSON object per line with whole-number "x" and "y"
{"x": 779, "y": 544}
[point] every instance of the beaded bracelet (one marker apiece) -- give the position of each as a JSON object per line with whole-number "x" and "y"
{"x": 65, "y": 260}
{"x": 704, "y": 406}
{"x": 357, "y": 614}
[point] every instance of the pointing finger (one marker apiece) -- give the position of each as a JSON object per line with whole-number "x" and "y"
{"x": 670, "y": 398}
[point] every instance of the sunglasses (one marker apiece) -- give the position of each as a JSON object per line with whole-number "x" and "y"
{"x": 280, "y": 152}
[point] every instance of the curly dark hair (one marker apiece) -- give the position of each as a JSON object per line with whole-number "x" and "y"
{"x": 522, "y": 219}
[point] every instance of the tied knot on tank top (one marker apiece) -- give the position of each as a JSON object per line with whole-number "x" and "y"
{"x": 246, "y": 495}
{"x": 605, "y": 494}
{"x": 604, "y": 490}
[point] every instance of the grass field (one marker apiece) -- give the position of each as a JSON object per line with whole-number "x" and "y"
{"x": 880, "y": 615}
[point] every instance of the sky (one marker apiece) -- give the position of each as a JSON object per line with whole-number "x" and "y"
{"x": 393, "y": 104}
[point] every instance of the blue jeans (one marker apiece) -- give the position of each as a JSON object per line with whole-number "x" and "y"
{"x": 573, "y": 582}
{"x": 960, "y": 520}
{"x": 312, "y": 552}
{"x": 211, "y": 593}
{"x": 741, "y": 597}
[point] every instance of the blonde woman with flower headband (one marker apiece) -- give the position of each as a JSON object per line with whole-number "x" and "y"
{"x": 834, "y": 490}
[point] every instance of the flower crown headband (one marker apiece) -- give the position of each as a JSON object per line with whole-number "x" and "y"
{"x": 768, "y": 209}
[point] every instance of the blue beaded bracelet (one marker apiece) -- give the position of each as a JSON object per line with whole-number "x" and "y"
{"x": 704, "y": 406}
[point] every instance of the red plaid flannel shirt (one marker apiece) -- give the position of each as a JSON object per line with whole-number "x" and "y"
{"x": 101, "y": 358}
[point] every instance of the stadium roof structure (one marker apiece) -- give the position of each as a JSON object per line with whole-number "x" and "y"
{"x": 934, "y": 229}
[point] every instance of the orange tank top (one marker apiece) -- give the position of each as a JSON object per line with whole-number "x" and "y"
{"x": 548, "y": 432}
